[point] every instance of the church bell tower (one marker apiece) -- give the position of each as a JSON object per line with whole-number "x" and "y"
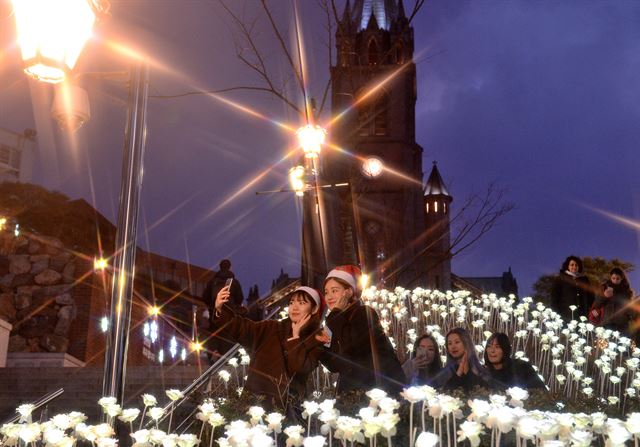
{"x": 377, "y": 221}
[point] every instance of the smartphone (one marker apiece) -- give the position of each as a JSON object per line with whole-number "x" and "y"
{"x": 228, "y": 282}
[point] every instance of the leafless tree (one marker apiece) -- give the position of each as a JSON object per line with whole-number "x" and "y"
{"x": 477, "y": 215}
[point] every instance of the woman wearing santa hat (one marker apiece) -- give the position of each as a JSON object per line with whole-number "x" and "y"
{"x": 359, "y": 349}
{"x": 283, "y": 353}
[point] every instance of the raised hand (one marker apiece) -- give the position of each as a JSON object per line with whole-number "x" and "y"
{"x": 419, "y": 362}
{"x": 463, "y": 367}
{"x": 295, "y": 327}
{"x": 323, "y": 337}
{"x": 223, "y": 297}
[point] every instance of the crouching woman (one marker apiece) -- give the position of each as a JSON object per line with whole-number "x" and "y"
{"x": 283, "y": 353}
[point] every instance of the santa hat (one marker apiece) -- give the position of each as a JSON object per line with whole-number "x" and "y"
{"x": 347, "y": 273}
{"x": 314, "y": 294}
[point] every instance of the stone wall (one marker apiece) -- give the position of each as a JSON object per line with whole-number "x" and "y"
{"x": 37, "y": 275}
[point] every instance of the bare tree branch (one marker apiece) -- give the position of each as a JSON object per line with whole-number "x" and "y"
{"x": 283, "y": 45}
{"x": 416, "y": 7}
{"x": 247, "y": 32}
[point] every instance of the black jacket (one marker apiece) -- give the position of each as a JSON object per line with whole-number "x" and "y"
{"x": 356, "y": 337}
{"x": 515, "y": 372}
{"x": 571, "y": 290}
{"x": 617, "y": 311}
{"x": 448, "y": 379}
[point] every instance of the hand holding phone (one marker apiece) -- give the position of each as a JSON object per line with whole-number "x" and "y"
{"x": 222, "y": 297}
{"x": 228, "y": 282}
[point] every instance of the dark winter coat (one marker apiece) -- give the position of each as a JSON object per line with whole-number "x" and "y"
{"x": 279, "y": 367}
{"x": 571, "y": 290}
{"x": 356, "y": 335}
{"x": 617, "y": 311}
{"x": 448, "y": 379}
{"x": 515, "y": 372}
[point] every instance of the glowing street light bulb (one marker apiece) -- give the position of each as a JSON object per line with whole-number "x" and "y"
{"x": 196, "y": 346}
{"x": 100, "y": 264}
{"x": 311, "y": 139}
{"x": 52, "y": 33}
{"x": 372, "y": 167}
{"x": 296, "y": 178}
{"x": 3, "y": 223}
{"x": 154, "y": 310}
{"x": 364, "y": 281}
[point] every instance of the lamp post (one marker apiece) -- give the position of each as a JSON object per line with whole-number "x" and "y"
{"x": 314, "y": 259}
{"x": 51, "y": 35}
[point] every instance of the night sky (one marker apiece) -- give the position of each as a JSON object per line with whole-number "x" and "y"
{"x": 542, "y": 97}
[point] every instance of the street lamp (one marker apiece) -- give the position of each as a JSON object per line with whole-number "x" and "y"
{"x": 311, "y": 139}
{"x": 52, "y": 33}
{"x": 297, "y": 176}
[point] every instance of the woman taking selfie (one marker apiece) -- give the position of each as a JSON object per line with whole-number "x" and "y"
{"x": 283, "y": 353}
{"x": 463, "y": 369}
{"x": 505, "y": 371}
{"x": 425, "y": 363}
{"x": 612, "y": 306}
{"x": 359, "y": 350}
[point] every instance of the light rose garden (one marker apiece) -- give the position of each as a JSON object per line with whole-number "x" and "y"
{"x": 590, "y": 373}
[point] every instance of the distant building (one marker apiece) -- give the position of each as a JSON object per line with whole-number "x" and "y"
{"x": 16, "y": 155}
{"x": 501, "y": 285}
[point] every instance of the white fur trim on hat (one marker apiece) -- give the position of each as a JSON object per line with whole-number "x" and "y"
{"x": 345, "y": 276}
{"x": 312, "y": 292}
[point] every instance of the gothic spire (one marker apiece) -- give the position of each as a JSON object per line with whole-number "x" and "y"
{"x": 384, "y": 11}
{"x": 401, "y": 13}
{"x": 435, "y": 184}
{"x": 346, "y": 15}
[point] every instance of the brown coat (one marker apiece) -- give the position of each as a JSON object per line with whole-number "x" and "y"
{"x": 279, "y": 367}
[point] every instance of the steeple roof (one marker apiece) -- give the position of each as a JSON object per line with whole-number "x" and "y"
{"x": 435, "y": 184}
{"x": 384, "y": 11}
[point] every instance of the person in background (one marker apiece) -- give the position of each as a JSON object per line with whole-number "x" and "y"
{"x": 463, "y": 368}
{"x": 612, "y": 306}
{"x": 508, "y": 372}
{"x": 425, "y": 363}
{"x": 571, "y": 288}
{"x": 359, "y": 350}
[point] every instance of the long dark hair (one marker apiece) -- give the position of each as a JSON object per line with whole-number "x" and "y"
{"x": 452, "y": 364}
{"x": 435, "y": 366}
{"x": 565, "y": 264}
{"x": 624, "y": 284}
{"x": 503, "y": 341}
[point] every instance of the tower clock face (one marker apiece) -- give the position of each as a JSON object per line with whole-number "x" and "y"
{"x": 372, "y": 167}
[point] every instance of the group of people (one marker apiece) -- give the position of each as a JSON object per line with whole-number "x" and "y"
{"x": 351, "y": 342}
{"x": 607, "y": 304}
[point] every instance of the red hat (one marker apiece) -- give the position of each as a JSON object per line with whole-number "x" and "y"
{"x": 347, "y": 273}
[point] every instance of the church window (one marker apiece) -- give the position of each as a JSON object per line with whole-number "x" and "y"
{"x": 398, "y": 54}
{"x": 444, "y": 207}
{"x": 373, "y": 52}
{"x": 380, "y": 119}
{"x": 435, "y": 207}
{"x": 427, "y": 207}
{"x": 373, "y": 117}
